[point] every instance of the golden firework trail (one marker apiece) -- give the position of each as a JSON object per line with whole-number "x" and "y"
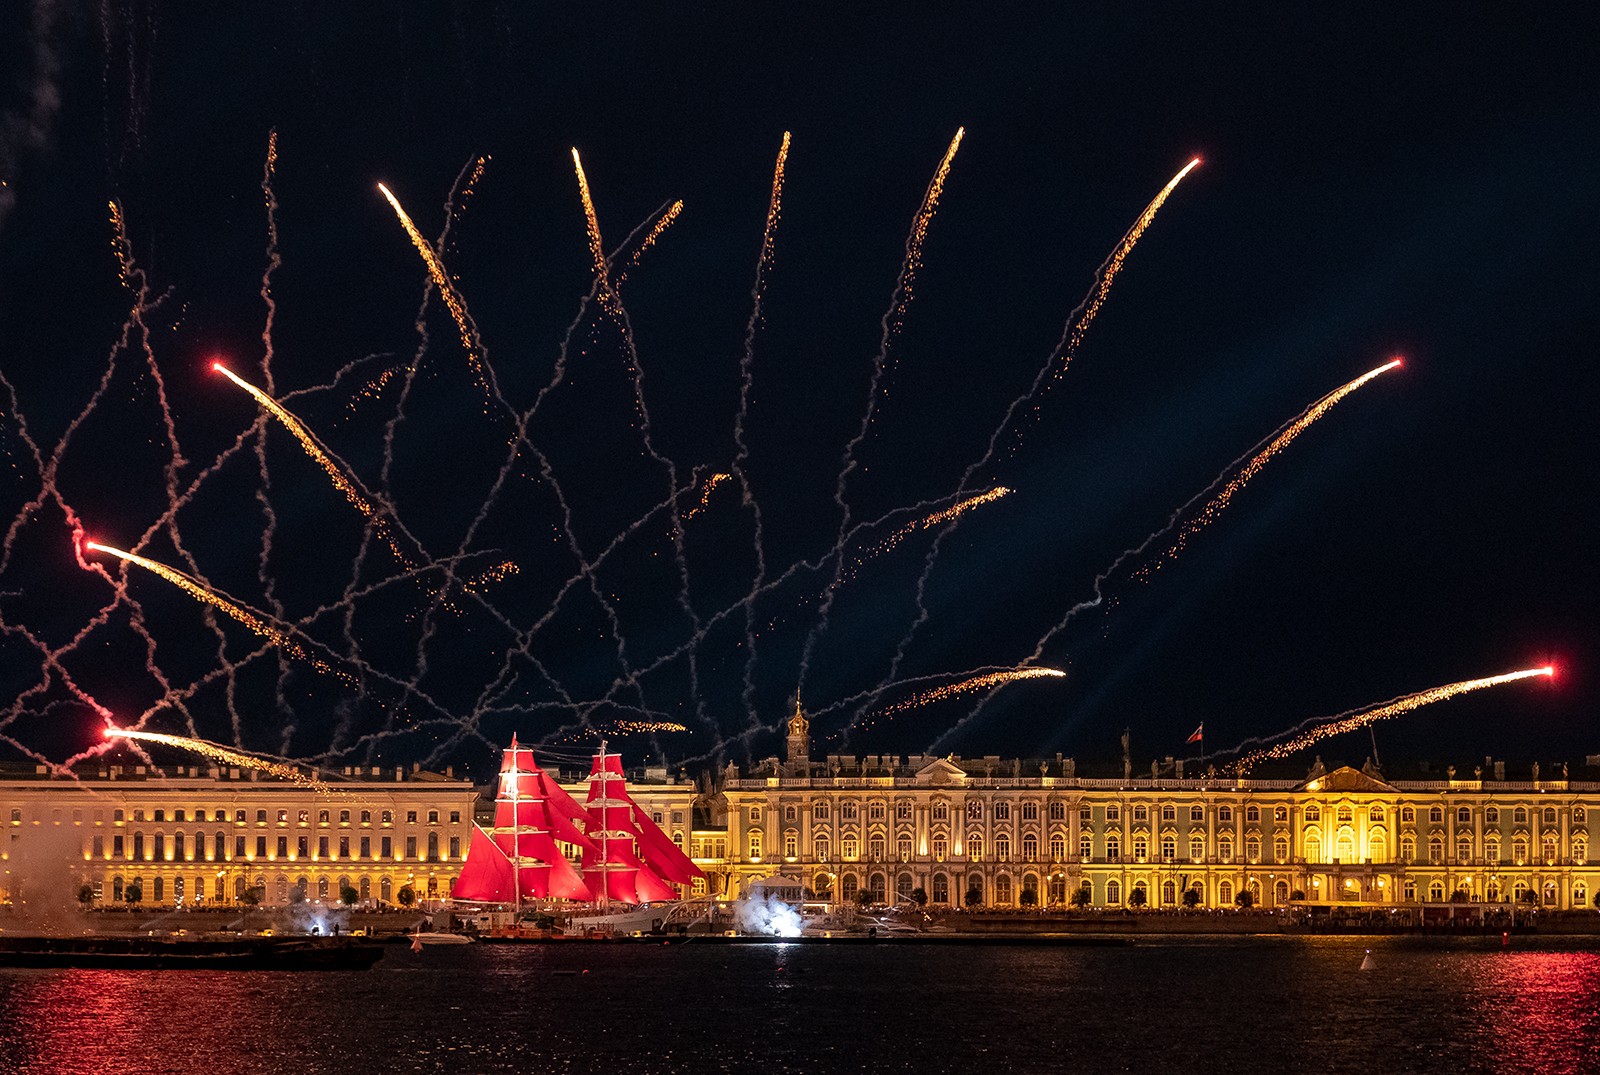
{"x": 959, "y": 508}
{"x": 441, "y": 280}
{"x": 319, "y": 457}
{"x": 602, "y": 275}
{"x": 1216, "y": 505}
{"x": 966, "y": 686}
{"x": 244, "y": 616}
{"x": 919, "y": 226}
{"x": 655, "y": 232}
{"x": 705, "y": 495}
{"x": 224, "y": 756}
{"x": 769, "y": 233}
{"x": 646, "y": 727}
{"x": 498, "y": 573}
{"x": 1113, "y": 265}
{"x": 1353, "y": 719}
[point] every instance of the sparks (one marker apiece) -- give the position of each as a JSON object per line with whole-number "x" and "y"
{"x": 1218, "y": 503}
{"x": 705, "y": 495}
{"x": 602, "y": 274}
{"x": 242, "y": 615}
{"x": 224, "y": 756}
{"x": 1352, "y": 719}
{"x": 966, "y": 686}
{"x": 441, "y": 280}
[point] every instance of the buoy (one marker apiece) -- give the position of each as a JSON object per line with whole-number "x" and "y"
{"x": 1367, "y": 963}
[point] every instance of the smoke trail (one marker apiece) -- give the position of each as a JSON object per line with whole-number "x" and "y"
{"x": 25, "y": 130}
{"x": 889, "y": 326}
{"x": 272, "y": 767}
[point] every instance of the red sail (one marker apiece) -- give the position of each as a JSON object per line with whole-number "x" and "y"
{"x": 486, "y": 875}
{"x": 661, "y": 854}
{"x": 632, "y": 855}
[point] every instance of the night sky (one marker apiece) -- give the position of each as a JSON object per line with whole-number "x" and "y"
{"x": 1370, "y": 187}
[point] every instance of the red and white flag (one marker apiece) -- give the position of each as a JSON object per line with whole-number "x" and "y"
{"x": 1199, "y": 734}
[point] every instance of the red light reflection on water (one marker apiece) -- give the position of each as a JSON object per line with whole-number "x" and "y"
{"x": 1542, "y": 1009}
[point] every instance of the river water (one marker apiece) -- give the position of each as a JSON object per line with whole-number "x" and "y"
{"x": 1235, "y": 1005}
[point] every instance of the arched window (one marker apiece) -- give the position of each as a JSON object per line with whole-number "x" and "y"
{"x": 1252, "y": 815}
{"x": 941, "y": 811}
{"x": 1058, "y": 889}
{"x": 1085, "y": 847}
{"x": 1491, "y": 849}
{"x": 219, "y": 847}
{"x": 1002, "y": 847}
{"x": 1313, "y": 849}
{"x": 1435, "y": 850}
{"x": 1580, "y": 816}
{"x": 903, "y": 848}
{"x": 1141, "y": 813}
{"x": 365, "y": 889}
{"x": 1491, "y": 891}
{"x": 1225, "y": 814}
{"x": 1378, "y": 847}
{"x": 1169, "y": 893}
{"x": 1549, "y": 849}
{"x": 1313, "y": 812}
{"x": 941, "y": 889}
{"x": 1030, "y": 848}
{"x": 1002, "y": 890}
{"x": 1491, "y": 815}
{"x": 1197, "y": 814}
{"x": 1225, "y": 893}
{"x": 1346, "y": 815}
{"x": 754, "y": 839}
{"x": 138, "y": 845}
{"x": 1169, "y": 848}
{"x": 1280, "y": 849}
{"x": 155, "y": 888}
{"x": 1345, "y": 847}
{"x": 974, "y": 810}
{"x": 941, "y": 848}
{"x": 821, "y": 845}
{"x": 1407, "y": 815}
{"x": 1141, "y": 849}
{"x": 1580, "y": 850}
{"x": 433, "y": 847}
{"x": 975, "y": 846}
{"x": 1436, "y": 892}
{"x": 1225, "y": 849}
{"x": 848, "y": 887}
{"x": 1549, "y": 893}
{"x": 1197, "y": 848}
{"x": 177, "y": 889}
{"x": 875, "y": 847}
{"x": 1549, "y": 815}
{"x": 1436, "y": 815}
{"x": 1252, "y": 849}
{"x": 1280, "y": 814}
{"x": 1408, "y": 848}
{"x": 878, "y": 885}
{"x": 1113, "y": 847}
{"x": 903, "y": 886}
{"x": 848, "y": 811}
{"x": 1375, "y": 814}
{"x": 1410, "y": 891}
{"x": 1030, "y": 811}
{"x": 322, "y": 888}
{"x": 849, "y": 848}
{"x": 1002, "y": 811}
{"x": 1580, "y": 894}
{"x": 1519, "y": 851}
{"x": 1169, "y": 812}
{"x": 177, "y": 846}
{"x": 1113, "y": 892}
{"x": 1463, "y": 815}
{"x": 1519, "y": 816}
{"x": 1058, "y": 811}
{"x": 1058, "y": 846}
{"x": 1464, "y": 849}
{"x": 1280, "y": 892}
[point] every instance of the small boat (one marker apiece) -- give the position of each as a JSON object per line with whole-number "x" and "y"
{"x": 136, "y": 952}
{"x": 440, "y": 938}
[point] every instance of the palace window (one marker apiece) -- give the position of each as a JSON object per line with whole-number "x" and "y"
{"x": 875, "y": 811}
{"x": 344, "y": 847}
{"x": 1464, "y": 850}
{"x": 1346, "y": 815}
{"x": 1252, "y": 850}
{"x": 903, "y": 848}
{"x": 1410, "y": 891}
{"x": 1225, "y": 849}
{"x": 1225, "y": 814}
{"x": 1313, "y": 849}
{"x": 1225, "y": 893}
{"x": 1519, "y": 851}
{"x": 902, "y": 811}
{"x": 1345, "y": 848}
{"x": 1252, "y": 815}
{"x": 850, "y": 848}
{"x": 821, "y": 844}
{"x": 1435, "y": 815}
{"x": 1169, "y": 848}
{"x": 1030, "y": 848}
{"x": 1549, "y": 850}
{"x": 1491, "y": 850}
{"x": 974, "y": 847}
{"x": 1436, "y": 892}
{"x": 219, "y": 846}
{"x": 791, "y": 813}
{"x": 1197, "y": 848}
{"x": 1141, "y": 814}
{"x": 1519, "y": 816}
{"x": 344, "y": 817}
{"x": 1113, "y": 892}
{"x": 847, "y": 810}
{"x": 1058, "y": 847}
{"x": 322, "y": 847}
{"x": 305, "y": 817}
{"x": 1002, "y": 811}
{"x": 755, "y": 845}
{"x": 386, "y": 847}
{"x": 1197, "y": 814}
{"x": 1491, "y": 815}
{"x": 1549, "y": 815}
{"x": 1113, "y": 848}
{"x": 1280, "y": 814}
{"x": 366, "y": 847}
{"x": 1464, "y": 815}
{"x": 1580, "y": 894}
{"x": 941, "y": 889}
{"x": 941, "y": 848}
{"x": 819, "y": 810}
{"x": 1408, "y": 848}
{"x": 791, "y": 843}
{"x": 366, "y": 817}
{"x": 755, "y": 815}
{"x": 1030, "y": 811}
{"x": 974, "y": 810}
{"x": 941, "y": 811}
{"x": 875, "y": 845}
{"x": 177, "y": 846}
{"x": 1378, "y": 848}
{"x": 1408, "y": 816}
{"x": 1002, "y": 890}
{"x": 1580, "y": 850}
{"x": 1002, "y": 848}
{"x": 1313, "y": 813}
{"x": 1113, "y": 814}
{"x": 1435, "y": 851}
{"x": 1375, "y": 814}
{"x": 1169, "y": 893}
{"x": 1058, "y": 811}
{"x": 1579, "y": 816}
{"x": 1169, "y": 812}
{"x": 1141, "y": 849}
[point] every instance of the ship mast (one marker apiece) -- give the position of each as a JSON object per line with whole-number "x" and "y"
{"x": 605, "y": 831}
{"x": 516, "y": 835}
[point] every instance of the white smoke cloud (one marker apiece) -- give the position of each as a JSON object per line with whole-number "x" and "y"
{"x": 767, "y": 917}
{"x": 27, "y": 127}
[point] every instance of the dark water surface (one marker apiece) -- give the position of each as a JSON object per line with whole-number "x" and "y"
{"x": 1240, "y": 1006}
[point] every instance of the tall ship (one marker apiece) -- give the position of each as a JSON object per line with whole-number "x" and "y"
{"x": 623, "y": 881}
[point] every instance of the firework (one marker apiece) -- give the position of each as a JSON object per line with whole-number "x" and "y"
{"x": 959, "y": 508}
{"x": 645, "y": 727}
{"x": 1113, "y": 265}
{"x": 243, "y": 615}
{"x": 596, "y": 250}
{"x": 654, "y": 233}
{"x": 919, "y": 226}
{"x": 1352, "y": 719}
{"x": 224, "y": 756}
{"x": 1218, "y": 503}
{"x": 705, "y": 495}
{"x": 320, "y": 457}
{"x": 966, "y": 686}
{"x": 441, "y": 280}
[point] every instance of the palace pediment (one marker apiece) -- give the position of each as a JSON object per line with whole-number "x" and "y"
{"x": 941, "y": 771}
{"x": 1345, "y": 778}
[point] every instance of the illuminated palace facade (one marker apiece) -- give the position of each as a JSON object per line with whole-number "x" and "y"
{"x": 205, "y": 836}
{"x": 1000, "y": 829}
